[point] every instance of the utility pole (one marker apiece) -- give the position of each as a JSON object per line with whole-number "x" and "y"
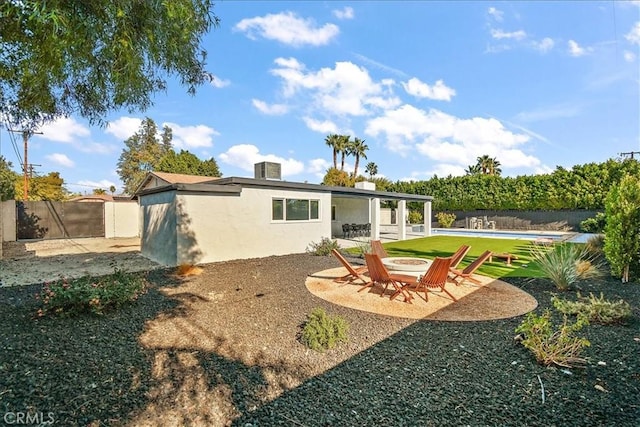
{"x": 630, "y": 154}
{"x": 25, "y": 168}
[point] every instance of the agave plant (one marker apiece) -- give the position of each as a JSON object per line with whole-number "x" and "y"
{"x": 566, "y": 263}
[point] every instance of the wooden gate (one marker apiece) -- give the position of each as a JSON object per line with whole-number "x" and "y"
{"x": 57, "y": 220}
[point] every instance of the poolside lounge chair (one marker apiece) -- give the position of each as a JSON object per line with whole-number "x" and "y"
{"x": 458, "y": 255}
{"x": 467, "y": 272}
{"x": 376, "y": 248}
{"x": 435, "y": 277}
{"x": 355, "y": 273}
{"x": 380, "y": 275}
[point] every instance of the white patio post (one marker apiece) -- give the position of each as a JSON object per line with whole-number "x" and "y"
{"x": 427, "y": 218}
{"x": 374, "y": 209}
{"x": 402, "y": 220}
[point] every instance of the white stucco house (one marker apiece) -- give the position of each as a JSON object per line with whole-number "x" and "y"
{"x": 200, "y": 220}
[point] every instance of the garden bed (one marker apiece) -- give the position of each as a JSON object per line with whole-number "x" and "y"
{"x": 221, "y": 348}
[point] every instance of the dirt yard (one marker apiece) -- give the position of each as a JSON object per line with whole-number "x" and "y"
{"x": 30, "y": 262}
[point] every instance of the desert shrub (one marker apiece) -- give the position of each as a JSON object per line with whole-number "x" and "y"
{"x": 70, "y": 297}
{"x": 594, "y": 225}
{"x": 553, "y": 345}
{"x": 322, "y": 332}
{"x": 594, "y": 309}
{"x": 595, "y": 246}
{"x": 415, "y": 217}
{"x": 445, "y": 220}
{"x": 566, "y": 263}
{"x": 363, "y": 247}
{"x": 324, "y": 247}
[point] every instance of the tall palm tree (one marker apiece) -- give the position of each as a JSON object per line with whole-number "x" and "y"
{"x": 473, "y": 170}
{"x": 488, "y": 165}
{"x": 358, "y": 149}
{"x": 372, "y": 169}
{"x": 332, "y": 141}
{"x": 342, "y": 145}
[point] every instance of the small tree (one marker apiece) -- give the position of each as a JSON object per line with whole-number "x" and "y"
{"x": 622, "y": 231}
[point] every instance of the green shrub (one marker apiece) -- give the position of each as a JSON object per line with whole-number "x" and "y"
{"x": 322, "y": 332}
{"x": 445, "y": 220}
{"x": 323, "y": 248}
{"x": 595, "y": 247}
{"x": 594, "y": 225}
{"x": 550, "y": 345}
{"x": 415, "y": 217}
{"x": 88, "y": 294}
{"x": 594, "y": 309}
{"x": 565, "y": 263}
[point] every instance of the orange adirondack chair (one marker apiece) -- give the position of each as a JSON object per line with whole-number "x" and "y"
{"x": 378, "y": 249}
{"x": 459, "y": 255}
{"x": 467, "y": 272}
{"x": 380, "y": 275}
{"x": 355, "y": 273}
{"x": 435, "y": 277}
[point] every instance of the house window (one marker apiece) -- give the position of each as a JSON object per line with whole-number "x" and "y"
{"x": 295, "y": 209}
{"x": 333, "y": 213}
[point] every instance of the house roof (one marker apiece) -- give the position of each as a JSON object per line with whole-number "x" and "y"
{"x": 180, "y": 178}
{"x": 235, "y": 185}
{"x": 99, "y": 198}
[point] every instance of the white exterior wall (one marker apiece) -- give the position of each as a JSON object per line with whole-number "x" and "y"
{"x": 349, "y": 211}
{"x": 159, "y": 230}
{"x": 225, "y": 227}
{"x": 385, "y": 216}
{"x": 121, "y": 219}
{"x": 8, "y": 221}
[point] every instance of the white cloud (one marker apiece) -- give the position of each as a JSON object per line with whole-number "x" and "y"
{"x": 186, "y": 137}
{"x": 380, "y": 65}
{"x": 500, "y": 34}
{"x": 64, "y": 129}
{"x": 318, "y": 167}
{"x": 60, "y": 159}
{"x": 634, "y": 35}
{"x": 124, "y": 127}
{"x": 288, "y": 28}
{"x": 544, "y": 45}
{"x": 346, "y": 89}
{"x": 448, "y": 139}
{"x": 325, "y": 127}
{"x": 96, "y": 147}
{"x": 576, "y": 50}
{"x": 629, "y": 56}
{"x": 496, "y": 14}
{"x": 245, "y": 156}
{"x": 270, "y": 109}
{"x": 218, "y": 82}
{"x": 345, "y": 13}
{"x": 439, "y": 91}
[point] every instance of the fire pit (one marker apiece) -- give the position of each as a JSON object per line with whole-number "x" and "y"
{"x": 419, "y": 265}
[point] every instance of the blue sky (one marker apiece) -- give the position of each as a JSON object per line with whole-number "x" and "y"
{"x": 429, "y": 86}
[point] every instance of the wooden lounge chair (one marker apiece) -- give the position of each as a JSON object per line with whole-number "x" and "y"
{"x": 380, "y": 275}
{"x": 459, "y": 255}
{"x": 376, "y": 248}
{"x": 460, "y": 276}
{"x": 435, "y": 277}
{"x": 355, "y": 273}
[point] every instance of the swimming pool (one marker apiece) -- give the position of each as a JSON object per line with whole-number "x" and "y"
{"x": 505, "y": 234}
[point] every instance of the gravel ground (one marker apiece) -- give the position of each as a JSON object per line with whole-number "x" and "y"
{"x": 221, "y": 348}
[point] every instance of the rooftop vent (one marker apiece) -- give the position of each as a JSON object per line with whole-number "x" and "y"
{"x": 267, "y": 170}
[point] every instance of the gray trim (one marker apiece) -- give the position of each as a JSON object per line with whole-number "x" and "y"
{"x": 194, "y": 188}
{"x": 335, "y": 191}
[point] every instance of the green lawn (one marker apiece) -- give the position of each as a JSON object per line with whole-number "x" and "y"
{"x": 430, "y": 247}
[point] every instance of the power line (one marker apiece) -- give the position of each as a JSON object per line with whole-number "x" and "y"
{"x": 630, "y": 154}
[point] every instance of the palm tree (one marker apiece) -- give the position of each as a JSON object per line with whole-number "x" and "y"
{"x": 333, "y": 142}
{"x": 473, "y": 170}
{"x": 488, "y": 165}
{"x": 358, "y": 149}
{"x": 372, "y": 169}
{"x": 342, "y": 145}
